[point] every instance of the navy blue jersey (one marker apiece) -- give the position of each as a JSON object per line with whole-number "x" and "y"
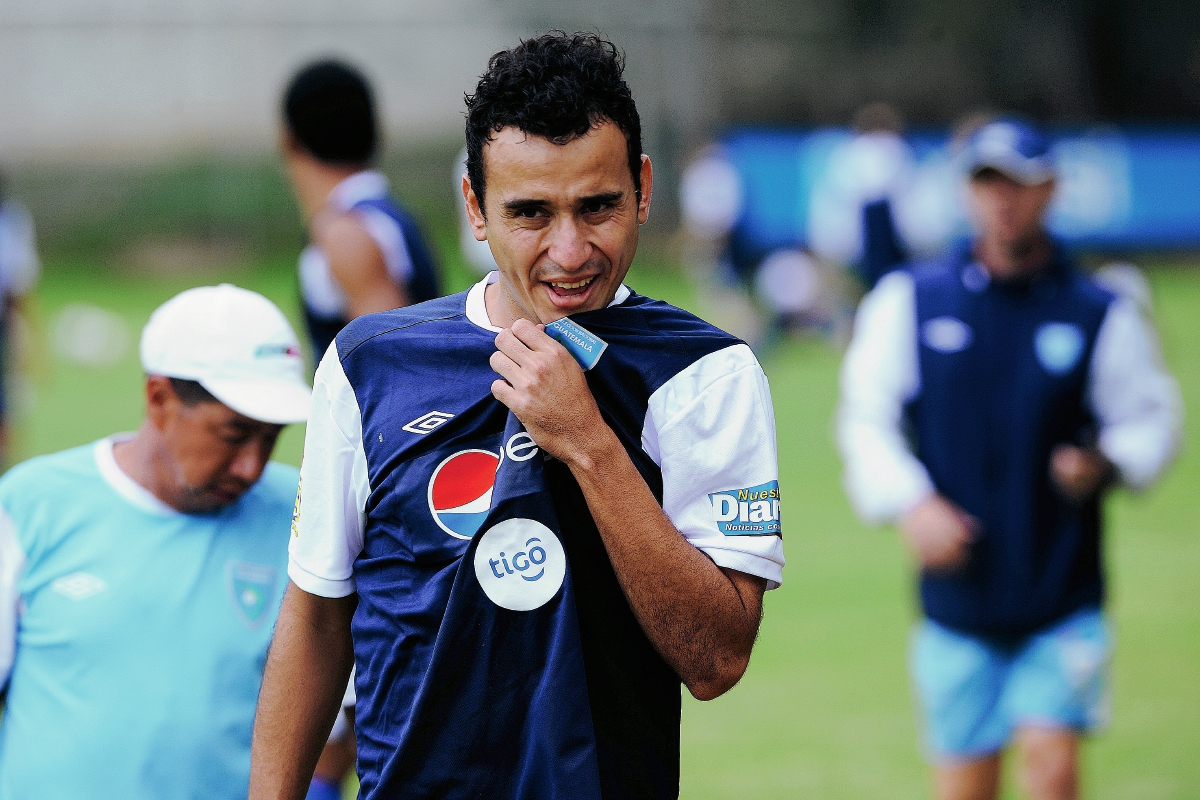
{"x": 496, "y": 653}
{"x": 1003, "y": 376}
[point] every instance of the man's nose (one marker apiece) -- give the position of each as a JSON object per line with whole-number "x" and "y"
{"x": 249, "y": 463}
{"x": 569, "y": 247}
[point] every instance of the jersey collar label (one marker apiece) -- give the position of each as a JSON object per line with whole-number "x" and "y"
{"x": 585, "y": 346}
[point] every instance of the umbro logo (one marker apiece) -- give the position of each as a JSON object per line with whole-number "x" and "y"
{"x": 428, "y": 422}
{"x": 78, "y": 585}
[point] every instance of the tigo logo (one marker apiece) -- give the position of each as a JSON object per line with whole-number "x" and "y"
{"x": 520, "y": 564}
{"x": 460, "y": 491}
{"x": 747, "y": 512}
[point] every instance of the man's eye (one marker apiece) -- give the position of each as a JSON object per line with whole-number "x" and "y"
{"x": 596, "y": 206}
{"x": 235, "y": 438}
{"x": 529, "y": 213}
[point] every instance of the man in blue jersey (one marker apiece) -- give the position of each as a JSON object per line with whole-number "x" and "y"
{"x": 140, "y": 575}
{"x": 366, "y": 253}
{"x": 988, "y": 401}
{"x": 521, "y": 558}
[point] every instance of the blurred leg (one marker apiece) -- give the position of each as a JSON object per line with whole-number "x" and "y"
{"x": 978, "y": 779}
{"x": 1048, "y": 762}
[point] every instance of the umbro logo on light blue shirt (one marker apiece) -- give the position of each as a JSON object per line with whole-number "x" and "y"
{"x": 78, "y": 585}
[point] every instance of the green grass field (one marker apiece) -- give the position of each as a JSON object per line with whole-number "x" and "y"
{"x": 824, "y": 711}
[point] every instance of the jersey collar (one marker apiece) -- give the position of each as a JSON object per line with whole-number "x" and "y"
{"x": 477, "y": 311}
{"x": 132, "y": 491}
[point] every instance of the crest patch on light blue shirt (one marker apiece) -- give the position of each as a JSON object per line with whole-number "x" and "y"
{"x": 1058, "y": 346}
{"x": 252, "y": 587}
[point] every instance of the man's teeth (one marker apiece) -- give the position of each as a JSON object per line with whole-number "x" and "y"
{"x": 576, "y": 285}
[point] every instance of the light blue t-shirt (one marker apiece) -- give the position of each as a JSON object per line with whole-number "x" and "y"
{"x": 140, "y": 632}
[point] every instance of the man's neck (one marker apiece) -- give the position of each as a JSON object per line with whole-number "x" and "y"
{"x": 139, "y": 458}
{"x": 1023, "y": 258}
{"x": 314, "y": 182}
{"x": 501, "y": 307}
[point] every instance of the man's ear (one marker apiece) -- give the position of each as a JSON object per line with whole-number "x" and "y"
{"x": 162, "y": 403}
{"x": 474, "y": 212}
{"x": 643, "y": 212}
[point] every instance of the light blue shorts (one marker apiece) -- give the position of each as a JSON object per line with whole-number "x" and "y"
{"x": 973, "y": 692}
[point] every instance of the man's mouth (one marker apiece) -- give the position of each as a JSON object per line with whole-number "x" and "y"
{"x": 569, "y": 288}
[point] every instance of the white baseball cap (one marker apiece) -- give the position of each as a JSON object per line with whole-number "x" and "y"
{"x": 236, "y": 344}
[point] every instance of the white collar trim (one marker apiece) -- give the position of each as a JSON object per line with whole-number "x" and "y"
{"x": 366, "y": 185}
{"x": 122, "y": 484}
{"x": 477, "y": 309}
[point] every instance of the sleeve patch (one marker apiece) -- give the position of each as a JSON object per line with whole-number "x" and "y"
{"x": 748, "y": 512}
{"x": 296, "y": 510}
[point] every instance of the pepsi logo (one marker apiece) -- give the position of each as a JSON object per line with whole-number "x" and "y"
{"x": 520, "y": 564}
{"x": 460, "y": 491}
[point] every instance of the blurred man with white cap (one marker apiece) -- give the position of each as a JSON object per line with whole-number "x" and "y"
{"x": 989, "y": 400}
{"x": 140, "y": 575}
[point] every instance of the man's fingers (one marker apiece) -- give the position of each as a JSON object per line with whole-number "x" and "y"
{"x": 505, "y": 366}
{"x": 503, "y": 392}
{"x": 510, "y": 345}
{"x": 531, "y": 335}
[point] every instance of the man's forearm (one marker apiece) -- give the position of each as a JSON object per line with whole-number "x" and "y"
{"x": 305, "y": 678}
{"x": 702, "y": 619}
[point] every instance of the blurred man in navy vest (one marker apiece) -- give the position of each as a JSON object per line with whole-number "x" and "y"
{"x": 988, "y": 401}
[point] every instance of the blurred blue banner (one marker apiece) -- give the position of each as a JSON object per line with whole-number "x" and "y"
{"x": 1118, "y": 188}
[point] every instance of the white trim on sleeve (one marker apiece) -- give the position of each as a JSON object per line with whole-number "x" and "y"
{"x": 711, "y": 428}
{"x": 1134, "y": 397}
{"x": 883, "y": 478}
{"x": 334, "y": 487}
{"x": 12, "y": 565}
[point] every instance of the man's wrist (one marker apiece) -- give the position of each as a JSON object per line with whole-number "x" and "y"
{"x": 594, "y": 449}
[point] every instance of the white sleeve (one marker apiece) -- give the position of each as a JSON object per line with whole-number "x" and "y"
{"x": 883, "y": 479}
{"x": 12, "y": 564}
{"x": 327, "y": 530}
{"x": 1134, "y": 397}
{"x": 711, "y": 430}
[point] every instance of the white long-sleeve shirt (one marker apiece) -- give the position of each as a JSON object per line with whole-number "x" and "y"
{"x": 1135, "y": 400}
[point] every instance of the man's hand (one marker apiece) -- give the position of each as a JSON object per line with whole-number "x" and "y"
{"x": 1079, "y": 472}
{"x": 701, "y": 618}
{"x": 939, "y": 534}
{"x": 544, "y": 386}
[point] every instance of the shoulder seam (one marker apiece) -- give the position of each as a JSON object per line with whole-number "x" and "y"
{"x": 360, "y": 343}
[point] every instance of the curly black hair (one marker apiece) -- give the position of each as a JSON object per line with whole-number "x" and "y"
{"x": 328, "y": 108}
{"x": 558, "y": 86}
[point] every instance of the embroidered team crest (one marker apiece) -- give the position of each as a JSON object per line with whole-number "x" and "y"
{"x": 946, "y": 334}
{"x": 1058, "y": 346}
{"x": 252, "y": 589}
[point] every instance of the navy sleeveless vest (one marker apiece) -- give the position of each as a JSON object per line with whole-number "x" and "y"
{"x": 1003, "y": 379}
{"x": 423, "y": 284}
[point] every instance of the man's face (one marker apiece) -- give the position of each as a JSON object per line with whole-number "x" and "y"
{"x": 1007, "y": 213}
{"x": 213, "y": 455}
{"x": 562, "y": 220}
